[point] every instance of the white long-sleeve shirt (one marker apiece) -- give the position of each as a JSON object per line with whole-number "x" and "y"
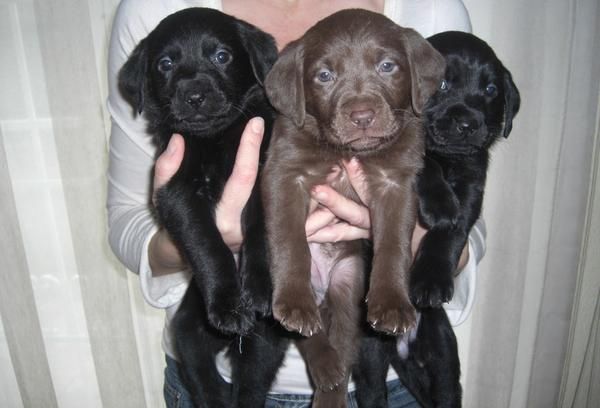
{"x": 131, "y": 159}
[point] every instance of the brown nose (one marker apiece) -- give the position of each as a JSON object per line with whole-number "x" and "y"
{"x": 362, "y": 118}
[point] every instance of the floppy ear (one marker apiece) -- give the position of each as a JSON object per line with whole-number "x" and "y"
{"x": 427, "y": 68}
{"x": 132, "y": 77}
{"x": 285, "y": 84}
{"x": 261, "y": 49}
{"x": 512, "y": 102}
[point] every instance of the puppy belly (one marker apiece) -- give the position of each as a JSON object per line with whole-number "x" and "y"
{"x": 330, "y": 267}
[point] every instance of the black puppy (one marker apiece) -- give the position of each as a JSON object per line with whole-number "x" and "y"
{"x": 473, "y": 107}
{"x": 199, "y": 73}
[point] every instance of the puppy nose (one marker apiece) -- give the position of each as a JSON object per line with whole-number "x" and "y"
{"x": 195, "y": 99}
{"x": 362, "y": 118}
{"x": 465, "y": 126}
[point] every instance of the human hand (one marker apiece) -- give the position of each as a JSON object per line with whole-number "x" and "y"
{"x": 338, "y": 218}
{"x": 341, "y": 219}
{"x": 164, "y": 256}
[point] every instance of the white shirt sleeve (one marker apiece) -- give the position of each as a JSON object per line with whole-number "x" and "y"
{"x": 459, "y": 308}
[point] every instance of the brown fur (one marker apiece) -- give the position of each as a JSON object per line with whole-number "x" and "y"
{"x": 368, "y": 112}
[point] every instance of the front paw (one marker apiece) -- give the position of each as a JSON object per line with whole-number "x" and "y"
{"x": 257, "y": 297}
{"x": 389, "y": 311}
{"x": 228, "y": 313}
{"x": 297, "y": 313}
{"x": 431, "y": 285}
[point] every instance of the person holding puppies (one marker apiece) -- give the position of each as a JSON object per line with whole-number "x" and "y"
{"x": 134, "y": 174}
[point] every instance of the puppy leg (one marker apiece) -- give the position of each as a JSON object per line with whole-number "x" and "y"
{"x": 432, "y": 275}
{"x": 393, "y": 219}
{"x": 342, "y": 310}
{"x": 255, "y": 363}
{"x": 438, "y": 205}
{"x": 325, "y": 366}
{"x": 254, "y": 268}
{"x": 190, "y": 222}
{"x": 197, "y": 348}
{"x": 370, "y": 371}
{"x": 432, "y": 369}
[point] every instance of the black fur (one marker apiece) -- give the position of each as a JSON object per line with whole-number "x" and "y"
{"x": 473, "y": 108}
{"x": 200, "y": 73}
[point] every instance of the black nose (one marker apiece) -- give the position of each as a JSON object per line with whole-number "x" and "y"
{"x": 195, "y": 99}
{"x": 465, "y": 126}
{"x": 363, "y": 118}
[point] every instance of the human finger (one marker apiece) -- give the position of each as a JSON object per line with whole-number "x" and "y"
{"x": 168, "y": 162}
{"x": 239, "y": 186}
{"x": 318, "y": 219}
{"x": 337, "y": 232}
{"x": 342, "y": 207}
{"x": 357, "y": 179}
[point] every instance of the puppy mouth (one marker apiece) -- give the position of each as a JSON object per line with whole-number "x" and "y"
{"x": 366, "y": 143}
{"x": 203, "y": 120}
{"x": 445, "y": 140}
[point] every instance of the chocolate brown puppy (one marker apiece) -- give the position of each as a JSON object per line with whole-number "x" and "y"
{"x": 353, "y": 86}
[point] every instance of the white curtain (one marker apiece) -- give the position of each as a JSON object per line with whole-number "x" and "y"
{"x": 75, "y": 330}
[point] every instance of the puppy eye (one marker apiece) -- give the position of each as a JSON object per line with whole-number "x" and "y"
{"x": 386, "y": 66}
{"x": 325, "y": 76}
{"x": 491, "y": 90}
{"x": 165, "y": 64}
{"x": 444, "y": 85}
{"x": 222, "y": 57}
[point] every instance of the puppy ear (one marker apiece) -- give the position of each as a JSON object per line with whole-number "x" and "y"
{"x": 285, "y": 84}
{"x": 427, "y": 68}
{"x": 132, "y": 77}
{"x": 261, "y": 49}
{"x": 512, "y": 102}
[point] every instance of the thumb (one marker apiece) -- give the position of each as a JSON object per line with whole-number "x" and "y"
{"x": 169, "y": 161}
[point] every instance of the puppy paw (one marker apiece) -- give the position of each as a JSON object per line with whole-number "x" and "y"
{"x": 257, "y": 297}
{"x": 327, "y": 371}
{"x": 431, "y": 291}
{"x": 297, "y": 314}
{"x": 229, "y": 314}
{"x": 389, "y": 311}
{"x": 430, "y": 288}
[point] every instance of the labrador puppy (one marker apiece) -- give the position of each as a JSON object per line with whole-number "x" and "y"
{"x": 200, "y": 73}
{"x": 353, "y": 86}
{"x": 473, "y": 107}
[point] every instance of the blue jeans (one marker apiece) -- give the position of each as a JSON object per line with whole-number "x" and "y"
{"x": 176, "y": 396}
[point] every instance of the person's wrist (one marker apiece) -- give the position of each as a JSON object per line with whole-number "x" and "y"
{"x": 163, "y": 255}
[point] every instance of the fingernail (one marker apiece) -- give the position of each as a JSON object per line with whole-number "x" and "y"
{"x": 353, "y": 161}
{"x": 257, "y": 124}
